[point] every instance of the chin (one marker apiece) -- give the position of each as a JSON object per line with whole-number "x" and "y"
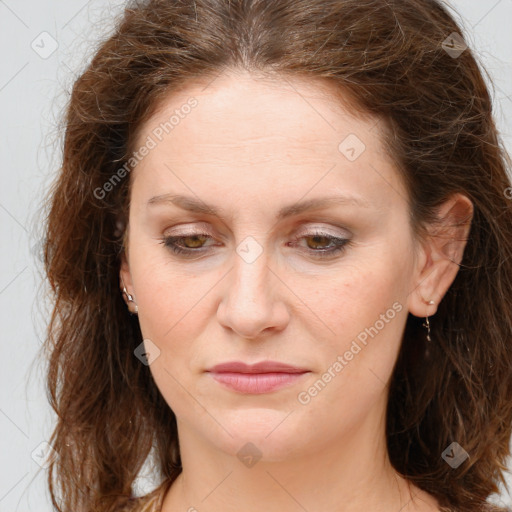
{"x": 269, "y": 434}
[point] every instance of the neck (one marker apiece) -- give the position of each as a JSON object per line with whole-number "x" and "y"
{"x": 354, "y": 474}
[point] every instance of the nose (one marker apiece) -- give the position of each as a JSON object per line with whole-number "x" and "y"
{"x": 252, "y": 304}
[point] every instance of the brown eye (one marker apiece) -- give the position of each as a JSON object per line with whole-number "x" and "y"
{"x": 318, "y": 240}
{"x": 186, "y": 245}
{"x": 194, "y": 242}
{"x": 323, "y": 245}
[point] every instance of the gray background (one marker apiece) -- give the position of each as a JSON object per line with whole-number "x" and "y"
{"x": 43, "y": 46}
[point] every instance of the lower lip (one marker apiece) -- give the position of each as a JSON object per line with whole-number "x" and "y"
{"x": 256, "y": 383}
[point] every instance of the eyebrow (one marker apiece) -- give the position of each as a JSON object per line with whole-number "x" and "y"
{"x": 194, "y": 205}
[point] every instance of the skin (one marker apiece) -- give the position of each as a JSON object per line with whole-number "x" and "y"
{"x": 249, "y": 148}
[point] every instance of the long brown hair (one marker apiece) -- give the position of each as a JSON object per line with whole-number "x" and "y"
{"x": 397, "y": 61}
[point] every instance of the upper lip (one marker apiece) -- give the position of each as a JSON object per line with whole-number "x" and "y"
{"x": 261, "y": 367}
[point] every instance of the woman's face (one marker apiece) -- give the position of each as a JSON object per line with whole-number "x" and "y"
{"x": 297, "y": 248}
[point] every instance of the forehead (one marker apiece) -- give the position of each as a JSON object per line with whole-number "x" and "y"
{"x": 282, "y": 131}
{"x": 233, "y": 108}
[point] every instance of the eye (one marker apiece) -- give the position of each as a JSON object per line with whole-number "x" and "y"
{"x": 335, "y": 245}
{"x": 192, "y": 244}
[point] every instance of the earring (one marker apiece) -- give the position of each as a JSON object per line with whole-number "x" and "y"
{"x": 427, "y": 323}
{"x": 128, "y": 296}
{"x": 134, "y": 309}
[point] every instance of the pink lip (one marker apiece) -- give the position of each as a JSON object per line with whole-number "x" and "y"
{"x": 257, "y": 378}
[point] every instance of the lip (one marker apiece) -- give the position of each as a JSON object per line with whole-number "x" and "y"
{"x": 262, "y": 377}
{"x": 261, "y": 367}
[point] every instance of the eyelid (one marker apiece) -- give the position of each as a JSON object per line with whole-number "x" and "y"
{"x": 329, "y": 231}
{"x": 204, "y": 228}
{"x": 184, "y": 231}
{"x": 187, "y": 229}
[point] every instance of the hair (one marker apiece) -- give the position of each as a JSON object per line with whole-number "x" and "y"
{"x": 439, "y": 130}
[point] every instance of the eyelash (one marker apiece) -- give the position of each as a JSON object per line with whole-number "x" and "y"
{"x": 341, "y": 244}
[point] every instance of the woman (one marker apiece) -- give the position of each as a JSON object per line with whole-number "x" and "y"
{"x": 280, "y": 245}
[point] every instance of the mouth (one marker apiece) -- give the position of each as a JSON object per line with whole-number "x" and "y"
{"x": 263, "y": 377}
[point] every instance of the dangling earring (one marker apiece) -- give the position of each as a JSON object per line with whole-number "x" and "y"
{"x": 427, "y": 323}
{"x": 130, "y": 299}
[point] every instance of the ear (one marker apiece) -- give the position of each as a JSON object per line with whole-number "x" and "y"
{"x": 124, "y": 273}
{"x": 125, "y": 277}
{"x": 440, "y": 255}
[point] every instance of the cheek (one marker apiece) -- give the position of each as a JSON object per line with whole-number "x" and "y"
{"x": 355, "y": 299}
{"x": 161, "y": 293}
{"x": 172, "y": 311}
{"x": 171, "y": 304}
{"x": 176, "y": 308}
{"x": 365, "y": 311}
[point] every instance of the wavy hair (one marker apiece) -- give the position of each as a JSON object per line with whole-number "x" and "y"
{"x": 397, "y": 62}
